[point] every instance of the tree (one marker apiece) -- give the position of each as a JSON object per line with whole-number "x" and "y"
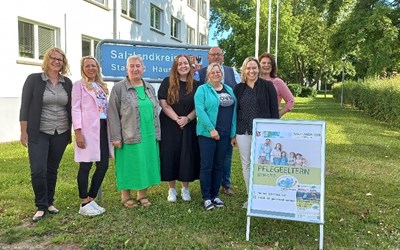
{"x": 371, "y": 35}
{"x": 314, "y": 35}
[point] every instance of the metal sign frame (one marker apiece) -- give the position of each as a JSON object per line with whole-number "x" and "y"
{"x": 285, "y": 187}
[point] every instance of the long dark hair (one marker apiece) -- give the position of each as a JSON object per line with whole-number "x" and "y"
{"x": 173, "y": 89}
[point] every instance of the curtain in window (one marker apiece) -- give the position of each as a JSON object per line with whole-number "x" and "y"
{"x": 46, "y": 40}
{"x": 26, "y": 40}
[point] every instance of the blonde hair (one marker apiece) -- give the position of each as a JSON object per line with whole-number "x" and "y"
{"x": 98, "y": 79}
{"x": 173, "y": 89}
{"x": 46, "y": 58}
{"x": 210, "y": 67}
{"x": 244, "y": 65}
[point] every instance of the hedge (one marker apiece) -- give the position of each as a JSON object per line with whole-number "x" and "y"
{"x": 376, "y": 97}
{"x": 300, "y": 91}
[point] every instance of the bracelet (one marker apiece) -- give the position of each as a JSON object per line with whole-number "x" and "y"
{"x": 188, "y": 118}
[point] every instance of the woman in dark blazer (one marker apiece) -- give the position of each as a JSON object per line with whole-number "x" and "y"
{"x": 45, "y": 120}
{"x": 257, "y": 98}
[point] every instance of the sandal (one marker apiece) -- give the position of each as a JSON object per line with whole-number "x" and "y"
{"x": 129, "y": 203}
{"x": 144, "y": 201}
{"x": 228, "y": 191}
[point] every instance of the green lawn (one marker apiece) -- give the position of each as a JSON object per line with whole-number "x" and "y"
{"x": 362, "y": 201}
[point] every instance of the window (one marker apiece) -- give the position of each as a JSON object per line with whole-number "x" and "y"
{"x": 175, "y": 27}
{"x": 203, "y": 8}
{"x": 192, "y": 4}
{"x": 89, "y": 46}
{"x": 190, "y": 35}
{"x": 103, "y": 2}
{"x": 128, "y": 7}
{"x": 155, "y": 17}
{"x": 34, "y": 39}
{"x": 202, "y": 39}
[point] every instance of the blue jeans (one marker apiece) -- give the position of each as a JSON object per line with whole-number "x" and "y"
{"x": 226, "y": 175}
{"x": 44, "y": 156}
{"x": 212, "y": 160}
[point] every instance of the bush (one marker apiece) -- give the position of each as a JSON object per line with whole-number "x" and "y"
{"x": 295, "y": 89}
{"x": 299, "y": 91}
{"x": 377, "y": 98}
{"x": 308, "y": 92}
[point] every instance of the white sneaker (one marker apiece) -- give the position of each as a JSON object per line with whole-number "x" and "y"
{"x": 208, "y": 205}
{"x": 95, "y": 205}
{"x": 172, "y": 195}
{"x": 218, "y": 202}
{"x": 185, "y": 193}
{"x": 89, "y": 210}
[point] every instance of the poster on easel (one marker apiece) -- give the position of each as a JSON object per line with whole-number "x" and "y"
{"x": 287, "y": 171}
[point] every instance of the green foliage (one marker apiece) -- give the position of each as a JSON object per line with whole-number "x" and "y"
{"x": 377, "y": 98}
{"x": 314, "y": 35}
{"x": 308, "y": 92}
{"x": 295, "y": 89}
{"x": 301, "y": 91}
{"x": 370, "y": 33}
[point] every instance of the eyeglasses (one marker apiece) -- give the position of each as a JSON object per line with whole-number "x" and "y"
{"x": 216, "y": 54}
{"x": 215, "y": 73}
{"x": 57, "y": 59}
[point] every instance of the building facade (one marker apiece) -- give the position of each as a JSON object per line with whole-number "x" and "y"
{"x": 29, "y": 28}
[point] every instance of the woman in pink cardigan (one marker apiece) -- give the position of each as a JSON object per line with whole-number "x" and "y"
{"x": 89, "y": 119}
{"x": 268, "y": 72}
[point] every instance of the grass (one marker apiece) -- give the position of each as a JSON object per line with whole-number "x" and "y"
{"x": 361, "y": 207}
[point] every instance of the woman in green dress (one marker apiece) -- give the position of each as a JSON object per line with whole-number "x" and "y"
{"x": 135, "y": 133}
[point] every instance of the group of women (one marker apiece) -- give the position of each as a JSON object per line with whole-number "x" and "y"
{"x": 184, "y": 142}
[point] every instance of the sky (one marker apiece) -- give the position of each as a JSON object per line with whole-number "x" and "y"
{"x": 211, "y": 40}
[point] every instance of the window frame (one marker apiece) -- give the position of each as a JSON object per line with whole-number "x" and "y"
{"x": 36, "y": 40}
{"x": 128, "y": 9}
{"x": 203, "y": 8}
{"x": 175, "y": 28}
{"x": 201, "y": 37}
{"x": 99, "y": 3}
{"x": 192, "y": 4}
{"x": 154, "y": 10}
{"x": 191, "y": 35}
{"x": 93, "y": 43}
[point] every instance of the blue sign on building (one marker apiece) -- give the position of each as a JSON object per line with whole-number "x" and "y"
{"x": 157, "y": 58}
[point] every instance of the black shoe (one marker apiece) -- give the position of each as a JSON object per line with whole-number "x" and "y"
{"x": 37, "y": 218}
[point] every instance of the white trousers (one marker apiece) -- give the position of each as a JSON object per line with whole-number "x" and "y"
{"x": 244, "y": 145}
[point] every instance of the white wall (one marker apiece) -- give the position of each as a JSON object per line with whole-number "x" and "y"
{"x": 74, "y": 18}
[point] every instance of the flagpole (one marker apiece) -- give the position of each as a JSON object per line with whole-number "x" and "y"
{"x": 257, "y": 28}
{"x": 269, "y": 27}
{"x": 277, "y": 31}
